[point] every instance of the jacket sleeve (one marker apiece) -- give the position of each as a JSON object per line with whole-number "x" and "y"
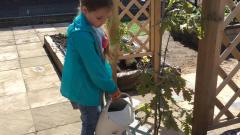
{"x": 96, "y": 69}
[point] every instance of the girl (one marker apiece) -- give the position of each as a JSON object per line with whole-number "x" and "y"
{"x": 86, "y": 73}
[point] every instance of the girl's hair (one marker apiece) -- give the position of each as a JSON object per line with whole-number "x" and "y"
{"x": 93, "y": 5}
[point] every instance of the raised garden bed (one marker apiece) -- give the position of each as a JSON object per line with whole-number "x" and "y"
{"x": 55, "y": 46}
{"x": 190, "y": 39}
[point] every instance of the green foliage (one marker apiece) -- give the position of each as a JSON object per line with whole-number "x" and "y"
{"x": 170, "y": 82}
{"x": 182, "y": 16}
{"x": 124, "y": 31}
{"x": 169, "y": 121}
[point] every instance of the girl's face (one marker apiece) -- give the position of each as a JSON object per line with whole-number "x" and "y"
{"x": 98, "y": 17}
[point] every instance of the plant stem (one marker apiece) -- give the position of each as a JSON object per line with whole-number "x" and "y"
{"x": 165, "y": 53}
{"x": 159, "y": 92}
{"x": 155, "y": 119}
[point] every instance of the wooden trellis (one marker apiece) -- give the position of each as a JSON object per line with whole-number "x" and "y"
{"x": 227, "y": 78}
{"x": 208, "y": 69}
{"x": 148, "y": 44}
{"x": 142, "y": 42}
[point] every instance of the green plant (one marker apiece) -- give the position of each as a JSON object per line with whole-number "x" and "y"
{"x": 182, "y": 16}
{"x": 124, "y": 32}
{"x": 170, "y": 82}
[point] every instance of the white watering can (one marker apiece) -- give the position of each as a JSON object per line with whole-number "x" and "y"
{"x": 115, "y": 117}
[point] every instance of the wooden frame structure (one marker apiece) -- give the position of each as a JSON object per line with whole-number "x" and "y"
{"x": 209, "y": 56}
{"x": 150, "y": 43}
{"x": 143, "y": 42}
{"x": 208, "y": 68}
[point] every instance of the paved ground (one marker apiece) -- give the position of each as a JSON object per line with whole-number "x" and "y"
{"x": 30, "y": 101}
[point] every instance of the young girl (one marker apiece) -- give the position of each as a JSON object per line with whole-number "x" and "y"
{"x": 86, "y": 74}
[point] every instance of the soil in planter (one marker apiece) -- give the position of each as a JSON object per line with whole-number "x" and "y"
{"x": 60, "y": 40}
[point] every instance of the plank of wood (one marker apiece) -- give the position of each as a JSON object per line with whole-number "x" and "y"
{"x": 207, "y": 63}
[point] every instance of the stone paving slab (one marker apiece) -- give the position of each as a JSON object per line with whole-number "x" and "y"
{"x": 14, "y": 103}
{"x": 25, "y": 36}
{"x": 9, "y": 65}
{"x": 45, "y": 97}
{"x": 44, "y": 28}
{"x": 27, "y": 40}
{"x": 31, "y": 50}
{"x": 57, "y": 25}
{"x": 31, "y": 134}
{"x": 7, "y": 42}
{"x": 54, "y": 115}
{"x": 42, "y": 82}
{"x": 6, "y": 37}
{"x": 41, "y": 35}
{"x": 23, "y": 30}
{"x": 6, "y": 32}
{"x": 35, "y": 71}
{"x": 17, "y": 123}
{"x": 34, "y": 61}
{"x": 8, "y": 53}
{"x": 11, "y": 82}
{"x": 70, "y": 129}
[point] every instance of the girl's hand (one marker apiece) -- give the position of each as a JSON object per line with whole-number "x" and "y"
{"x": 116, "y": 95}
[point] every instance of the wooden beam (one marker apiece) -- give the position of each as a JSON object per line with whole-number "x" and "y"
{"x": 232, "y": 45}
{"x": 231, "y": 83}
{"x": 228, "y": 104}
{"x": 232, "y": 15}
{"x": 228, "y": 78}
{"x": 226, "y": 43}
{"x": 225, "y": 123}
{"x": 227, "y": 112}
{"x": 156, "y": 43}
{"x": 155, "y": 31}
{"x": 207, "y": 63}
{"x": 113, "y": 31}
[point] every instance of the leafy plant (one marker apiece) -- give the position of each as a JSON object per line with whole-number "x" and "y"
{"x": 124, "y": 32}
{"x": 170, "y": 83}
{"x": 182, "y": 16}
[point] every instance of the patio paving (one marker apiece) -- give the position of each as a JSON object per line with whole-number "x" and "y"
{"x": 30, "y": 100}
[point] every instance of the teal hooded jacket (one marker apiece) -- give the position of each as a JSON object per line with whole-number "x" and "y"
{"x": 86, "y": 75}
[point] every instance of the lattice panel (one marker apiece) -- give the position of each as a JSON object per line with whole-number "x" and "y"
{"x": 225, "y": 116}
{"x": 138, "y": 13}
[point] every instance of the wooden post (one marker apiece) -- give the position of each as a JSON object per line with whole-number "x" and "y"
{"x": 155, "y": 42}
{"x": 156, "y": 37}
{"x": 113, "y": 31}
{"x": 207, "y": 63}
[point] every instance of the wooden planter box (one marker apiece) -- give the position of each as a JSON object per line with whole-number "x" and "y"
{"x": 126, "y": 80}
{"x": 55, "y": 55}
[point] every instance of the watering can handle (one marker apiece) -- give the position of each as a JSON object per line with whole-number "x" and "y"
{"x": 122, "y": 93}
